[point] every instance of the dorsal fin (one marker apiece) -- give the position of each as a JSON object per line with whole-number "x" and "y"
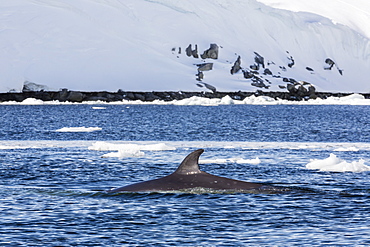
{"x": 190, "y": 164}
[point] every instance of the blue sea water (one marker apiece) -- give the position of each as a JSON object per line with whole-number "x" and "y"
{"x": 53, "y": 185}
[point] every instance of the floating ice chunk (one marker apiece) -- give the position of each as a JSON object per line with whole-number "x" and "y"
{"x": 255, "y": 161}
{"x": 349, "y": 149}
{"x": 106, "y": 146}
{"x": 157, "y": 147}
{"x": 78, "y": 129}
{"x": 128, "y": 150}
{"x": 124, "y": 154}
{"x": 213, "y": 161}
{"x": 3, "y": 147}
{"x": 99, "y": 108}
{"x": 334, "y": 164}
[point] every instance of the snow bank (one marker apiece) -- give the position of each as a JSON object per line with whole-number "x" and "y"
{"x": 334, "y": 164}
{"x": 128, "y": 150}
{"x": 133, "y": 45}
{"x": 78, "y": 129}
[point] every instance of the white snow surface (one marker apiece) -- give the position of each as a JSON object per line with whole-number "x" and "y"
{"x": 96, "y": 45}
{"x": 352, "y": 13}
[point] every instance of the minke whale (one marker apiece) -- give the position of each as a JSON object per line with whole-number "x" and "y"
{"x": 188, "y": 176}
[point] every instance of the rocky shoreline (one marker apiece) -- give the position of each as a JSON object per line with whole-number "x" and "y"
{"x": 80, "y": 96}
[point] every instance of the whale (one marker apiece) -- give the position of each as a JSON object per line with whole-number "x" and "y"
{"x": 188, "y": 176}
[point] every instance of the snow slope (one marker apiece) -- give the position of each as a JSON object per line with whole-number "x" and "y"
{"x": 133, "y": 44}
{"x": 354, "y": 14}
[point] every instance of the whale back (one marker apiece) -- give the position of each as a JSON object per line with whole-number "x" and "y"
{"x": 190, "y": 165}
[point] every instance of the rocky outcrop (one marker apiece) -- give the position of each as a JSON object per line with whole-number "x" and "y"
{"x": 237, "y": 66}
{"x": 205, "y": 66}
{"x": 212, "y": 52}
{"x": 33, "y": 87}
{"x": 291, "y": 60}
{"x": 261, "y": 74}
{"x": 190, "y": 52}
{"x": 296, "y": 91}
{"x": 330, "y": 64}
{"x": 259, "y": 60}
{"x": 301, "y": 90}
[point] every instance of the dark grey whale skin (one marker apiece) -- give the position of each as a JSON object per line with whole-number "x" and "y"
{"x": 188, "y": 176}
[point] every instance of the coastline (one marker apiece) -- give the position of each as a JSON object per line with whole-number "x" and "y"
{"x": 83, "y": 96}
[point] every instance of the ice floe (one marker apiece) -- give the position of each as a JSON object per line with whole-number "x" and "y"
{"x": 255, "y": 161}
{"x": 78, "y": 129}
{"x": 128, "y": 149}
{"x": 335, "y": 164}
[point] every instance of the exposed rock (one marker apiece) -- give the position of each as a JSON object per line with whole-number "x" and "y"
{"x": 291, "y": 61}
{"x": 302, "y": 91}
{"x": 212, "y": 52}
{"x": 282, "y": 68}
{"x": 188, "y": 51}
{"x": 139, "y": 96}
{"x": 200, "y": 76}
{"x": 330, "y": 62}
{"x": 309, "y": 69}
{"x": 248, "y": 74}
{"x": 259, "y": 60}
{"x": 210, "y": 87}
{"x": 195, "y": 52}
{"x": 33, "y": 87}
{"x": 75, "y": 96}
{"x": 267, "y": 72}
{"x": 311, "y": 90}
{"x": 150, "y": 96}
{"x": 291, "y": 89}
{"x": 205, "y": 66}
{"x": 62, "y": 95}
{"x": 236, "y": 67}
{"x": 258, "y": 82}
{"x": 254, "y": 67}
{"x": 129, "y": 96}
{"x": 308, "y": 93}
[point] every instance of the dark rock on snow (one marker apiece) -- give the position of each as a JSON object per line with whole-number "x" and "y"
{"x": 212, "y": 52}
{"x": 205, "y": 66}
{"x": 236, "y": 67}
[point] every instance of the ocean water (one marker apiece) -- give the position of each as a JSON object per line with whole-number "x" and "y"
{"x": 57, "y": 161}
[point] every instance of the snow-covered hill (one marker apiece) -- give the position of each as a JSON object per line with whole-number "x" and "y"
{"x": 134, "y": 44}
